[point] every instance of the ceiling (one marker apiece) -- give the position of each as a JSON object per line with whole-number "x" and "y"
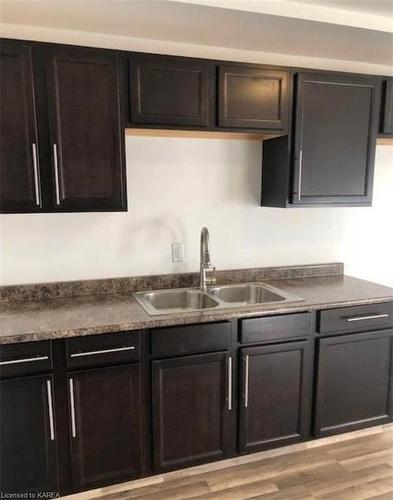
{"x": 233, "y": 24}
{"x": 374, "y": 7}
{"x": 369, "y": 14}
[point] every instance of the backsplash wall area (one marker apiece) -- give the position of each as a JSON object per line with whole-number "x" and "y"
{"x": 177, "y": 185}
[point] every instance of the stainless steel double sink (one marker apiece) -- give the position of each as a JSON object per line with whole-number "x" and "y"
{"x": 179, "y": 300}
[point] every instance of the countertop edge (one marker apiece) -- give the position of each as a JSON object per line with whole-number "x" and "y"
{"x": 157, "y": 321}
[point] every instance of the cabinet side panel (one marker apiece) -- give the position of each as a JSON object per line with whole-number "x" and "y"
{"x": 275, "y": 172}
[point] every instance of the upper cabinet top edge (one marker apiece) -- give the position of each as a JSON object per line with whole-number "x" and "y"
{"x": 126, "y": 53}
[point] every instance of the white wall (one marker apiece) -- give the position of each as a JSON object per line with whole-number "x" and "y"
{"x": 175, "y": 186}
{"x": 367, "y": 243}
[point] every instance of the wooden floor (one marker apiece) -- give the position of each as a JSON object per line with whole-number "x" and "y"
{"x": 349, "y": 467}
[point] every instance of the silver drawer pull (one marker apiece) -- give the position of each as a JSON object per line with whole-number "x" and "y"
{"x": 25, "y": 360}
{"x": 50, "y": 410}
{"x": 362, "y": 318}
{"x": 56, "y": 167}
{"x": 72, "y": 407}
{"x": 246, "y": 382}
{"x": 36, "y": 175}
{"x": 103, "y": 351}
{"x": 230, "y": 383}
{"x": 299, "y": 189}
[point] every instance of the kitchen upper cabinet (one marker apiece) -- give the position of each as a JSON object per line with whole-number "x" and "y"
{"x": 253, "y": 97}
{"x": 62, "y": 141}
{"x": 167, "y": 90}
{"x": 105, "y": 425}
{"x": 28, "y": 435}
{"x": 192, "y": 401}
{"x": 275, "y": 407}
{"x": 387, "y": 107}
{"x": 354, "y": 382}
{"x": 63, "y": 108}
{"x": 335, "y": 131}
{"x": 335, "y": 135}
{"x": 86, "y": 135}
{"x": 184, "y": 92}
{"x": 19, "y": 152}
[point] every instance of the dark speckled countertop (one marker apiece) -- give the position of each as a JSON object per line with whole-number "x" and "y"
{"x": 23, "y": 321}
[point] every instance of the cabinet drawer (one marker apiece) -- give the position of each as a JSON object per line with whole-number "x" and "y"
{"x": 98, "y": 350}
{"x": 190, "y": 339}
{"x": 356, "y": 319}
{"x": 25, "y": 358}
{"x": 272, "y": 328}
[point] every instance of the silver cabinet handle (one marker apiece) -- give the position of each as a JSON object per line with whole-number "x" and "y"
{"x": 56, "y": 166}
{"x": 36, "y": 177}
{"x": 362, "y": 318}
{"x": 72, "y": 405}
{"x": 246, "y": 381}
{"x": 230, "y": 383}
{"x": 24, "y": 360}
{"x": 299, "y": 187}
{"x": 103, "y": 351}
{"x": 50, "y": 410}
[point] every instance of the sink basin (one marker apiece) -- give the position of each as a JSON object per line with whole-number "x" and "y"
{"x": 157, "y": 302}
{"x": 172, "y": 301}
{"x": 247, "y": 293}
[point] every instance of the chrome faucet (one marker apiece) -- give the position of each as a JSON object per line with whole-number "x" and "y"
{"x": 206, "y": 267}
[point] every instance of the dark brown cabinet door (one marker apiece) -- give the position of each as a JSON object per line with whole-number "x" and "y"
{"x": 354, "y": 382}
{"x": 191, "y": 407}
{"x": 387, "y": 111}
{"x": 105, "y": 425}
{"x": 19, "y": 152}
{"x": 335, "y": 136}
{"x": 28, "y": 435}
{"x": 276, "y": 395}
{"x": 251, "y": 97}
{"x": 87, "y": 151}
{"x": 169, "y": 90}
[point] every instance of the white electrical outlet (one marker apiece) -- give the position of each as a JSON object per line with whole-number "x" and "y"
{"x": 178, "y": 252}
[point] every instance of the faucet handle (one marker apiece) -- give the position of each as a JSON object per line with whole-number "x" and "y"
{"x": 212, "y": 279}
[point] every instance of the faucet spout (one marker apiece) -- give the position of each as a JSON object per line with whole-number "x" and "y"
{"x": 205, "y": 262}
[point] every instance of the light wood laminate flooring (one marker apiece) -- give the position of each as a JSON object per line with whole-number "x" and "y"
{"x": 352, "y": 466}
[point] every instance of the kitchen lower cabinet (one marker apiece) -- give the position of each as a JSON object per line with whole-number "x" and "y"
{"x": 354, "y": 382}
{"x": 275, "y": 406}
{"x": 28, "y": 436}
{"x": 105, "y": 425}
{"x": 90, "y": 411}
{"x": 192, "y": 401}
